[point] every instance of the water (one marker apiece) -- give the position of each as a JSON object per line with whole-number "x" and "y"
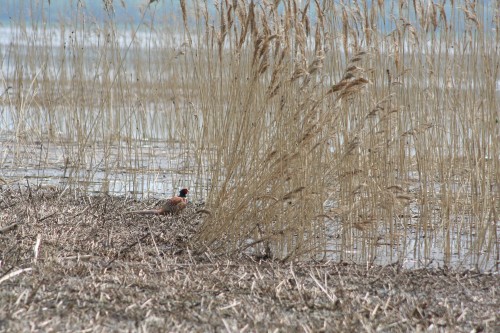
{"x": 162, "y": 168}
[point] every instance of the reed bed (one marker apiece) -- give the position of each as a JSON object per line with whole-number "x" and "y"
{"x": 74, "y": 262}
{"x": 326, "y": 116}
{"x": 368, "y": 122}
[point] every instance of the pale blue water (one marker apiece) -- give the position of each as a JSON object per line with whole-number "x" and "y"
{"x": 132, "y": 12}
{"x": 66, "y": 11}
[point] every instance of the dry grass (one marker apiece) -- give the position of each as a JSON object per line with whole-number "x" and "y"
{"x": 334, "y": 108}
{"x": 78, "y": 263}
{"x": 295, "y": 118}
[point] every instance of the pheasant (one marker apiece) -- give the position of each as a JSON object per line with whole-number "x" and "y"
{"x": 173, "y": 205}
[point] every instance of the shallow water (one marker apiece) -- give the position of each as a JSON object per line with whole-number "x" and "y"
{"x": 163, "y": 168}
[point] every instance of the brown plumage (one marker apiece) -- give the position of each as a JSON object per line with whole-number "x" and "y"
{"x": 173, "y": 205}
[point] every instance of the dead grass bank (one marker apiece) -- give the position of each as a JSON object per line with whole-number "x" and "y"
{"x": 77, "y": 263}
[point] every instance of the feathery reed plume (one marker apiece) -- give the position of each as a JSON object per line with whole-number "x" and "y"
{"x": 345, "y": 32}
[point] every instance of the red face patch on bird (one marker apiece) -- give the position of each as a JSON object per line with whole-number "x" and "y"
{"x": 183, "y": 192}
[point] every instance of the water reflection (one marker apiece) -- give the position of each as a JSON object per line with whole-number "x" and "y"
{"x": 160, "y": 167}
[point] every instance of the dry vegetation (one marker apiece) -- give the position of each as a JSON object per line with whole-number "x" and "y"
{"x": 329, "y": 113}
{"x": 76, "y": 263}
{"x": 314, "y": 131}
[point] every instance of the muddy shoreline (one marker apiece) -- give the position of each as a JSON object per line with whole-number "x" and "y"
{"x": 70, "y": 262}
